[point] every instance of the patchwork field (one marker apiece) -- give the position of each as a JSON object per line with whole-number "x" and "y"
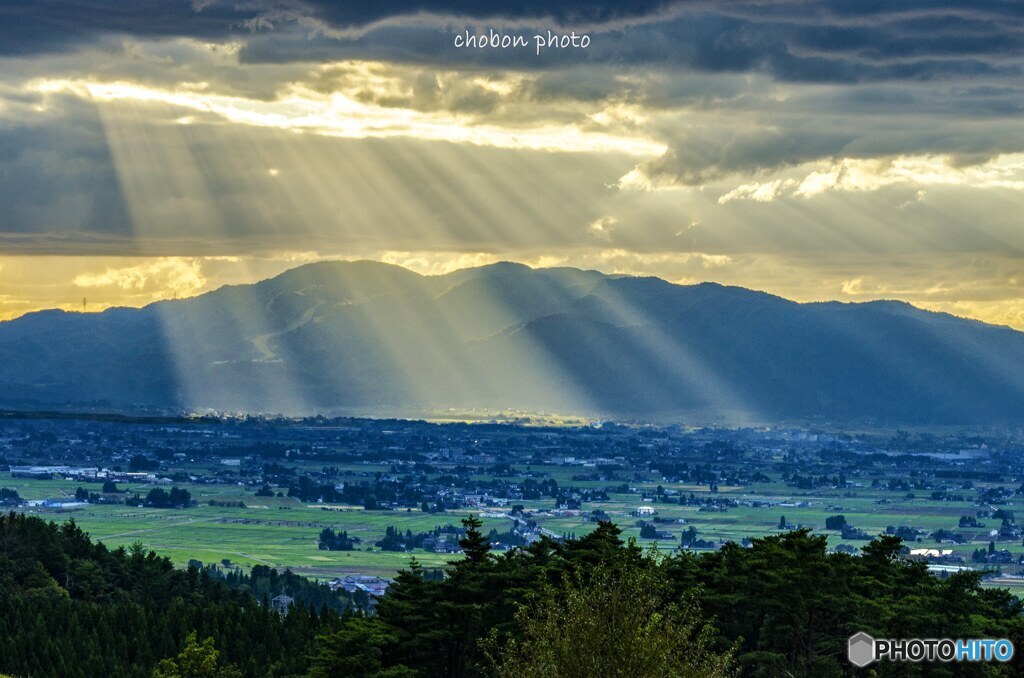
{"x": 282, "y": 532}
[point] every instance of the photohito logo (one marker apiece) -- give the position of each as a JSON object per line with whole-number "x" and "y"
{"x": 863, "y": 649}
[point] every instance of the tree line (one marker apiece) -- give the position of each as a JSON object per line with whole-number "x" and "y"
{"x": 73, "y": 608}
{"x": 782, "y": 606}
{"x": 596, "y": 605}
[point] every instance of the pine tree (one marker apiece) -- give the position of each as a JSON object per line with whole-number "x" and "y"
{"x": 475, "y": 545}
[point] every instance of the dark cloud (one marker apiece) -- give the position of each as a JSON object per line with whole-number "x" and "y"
{"x": 562, "y": 12}
{"x": 795, "y": 40}
{"x": 709, "y": 155}
{"x": 830, "y": 128}
{"x": 28, "y": 28}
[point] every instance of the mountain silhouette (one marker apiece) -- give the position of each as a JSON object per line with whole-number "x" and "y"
{"x": 374, "y": 338}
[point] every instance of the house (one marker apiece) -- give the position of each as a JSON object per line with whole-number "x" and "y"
{"x": 372, "y": 586}
{"x": 447, "y": 546}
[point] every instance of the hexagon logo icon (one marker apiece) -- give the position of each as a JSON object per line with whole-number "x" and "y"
{"x": 861, "y": 650}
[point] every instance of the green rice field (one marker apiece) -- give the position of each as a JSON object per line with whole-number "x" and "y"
{"x": 282, "y": 532}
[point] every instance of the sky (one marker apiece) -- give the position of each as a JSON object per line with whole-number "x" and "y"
{"x": 848, "y": 150}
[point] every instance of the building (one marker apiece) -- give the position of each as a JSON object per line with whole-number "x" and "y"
{"x": 369, "y": 584}
{"x": 63, "y": 503}
{"x": 282, "y": 603}
{"x": 46, "y": 472}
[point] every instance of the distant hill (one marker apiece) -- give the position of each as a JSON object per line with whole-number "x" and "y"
{"x": 336, "y": 336}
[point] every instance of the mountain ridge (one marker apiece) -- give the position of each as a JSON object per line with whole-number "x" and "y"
{"x": 332, "y": 336}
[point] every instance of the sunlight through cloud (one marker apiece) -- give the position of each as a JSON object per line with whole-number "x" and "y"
{"x": 864, "y": 175}
{"x": 335, "y": 114}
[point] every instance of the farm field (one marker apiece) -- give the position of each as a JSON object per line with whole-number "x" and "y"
{"x": 282, "y": 532}
{"x": 263, "y": 491}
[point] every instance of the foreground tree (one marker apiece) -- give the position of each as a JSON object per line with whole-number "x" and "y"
{"x": 197, "y": 660}
{"x": 356, "y": 651}
{"x": 611, "y": 621}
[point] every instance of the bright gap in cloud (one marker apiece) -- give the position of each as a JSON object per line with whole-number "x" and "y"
{"x": 336, "y": 114}
{"x": 860, "y": 175}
